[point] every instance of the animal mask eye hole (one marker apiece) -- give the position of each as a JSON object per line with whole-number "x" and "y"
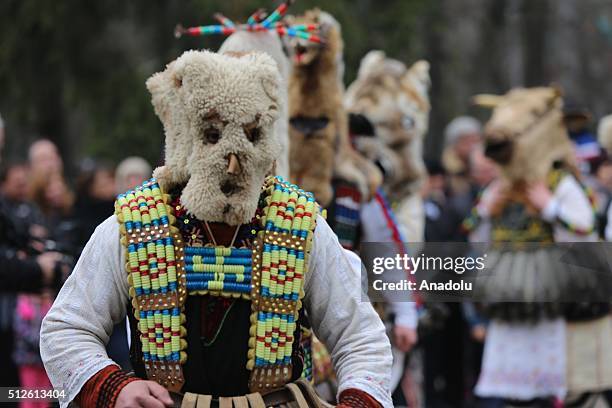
{"x": 212, "y": 135}
{"x": 397, "y": 145}
{"x": 253, "y": 133}
{"x": 407, "y": 122}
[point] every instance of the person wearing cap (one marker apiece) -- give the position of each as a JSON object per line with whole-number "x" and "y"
{"x": 461, "y": 136}
{"x": 577, "y": 119}
{"x": 19, "y": 274}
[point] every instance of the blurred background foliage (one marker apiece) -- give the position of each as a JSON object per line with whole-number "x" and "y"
{"x": 74, "y": 71}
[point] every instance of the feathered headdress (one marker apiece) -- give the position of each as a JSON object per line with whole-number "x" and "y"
{"x": 257, "y": 22}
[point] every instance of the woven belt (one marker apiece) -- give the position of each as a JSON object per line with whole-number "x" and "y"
{"x": 297, "y": 395}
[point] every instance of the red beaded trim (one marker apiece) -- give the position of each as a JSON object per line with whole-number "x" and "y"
{"x": 355, "y": 398}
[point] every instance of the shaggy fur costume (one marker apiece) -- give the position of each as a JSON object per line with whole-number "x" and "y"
{"x": 271, "y": 44}
{"x": 320, "y": 148}
{"x": 395, "y": 99}
{"x": 214, "y": 106}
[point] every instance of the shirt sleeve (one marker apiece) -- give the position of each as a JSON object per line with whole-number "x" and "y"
{"x": 571, "y": 205}
{"x": 608, "y": 231}
{"x": 344, "y": 320}
{"x": 375, "y": 229}
{"x": 81, "y": 320}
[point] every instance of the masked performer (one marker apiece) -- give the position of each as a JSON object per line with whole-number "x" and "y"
{"x": 343, "y": 180}
{"x": 214, "y": 261}
{"x": 340, "y": 178}
{"x": 536, "y": 348}
{"x": 395, "y": 99}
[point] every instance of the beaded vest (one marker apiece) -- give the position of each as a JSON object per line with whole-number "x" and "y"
{"x": 163, "y": 270}
{"x": 516, "y": 225}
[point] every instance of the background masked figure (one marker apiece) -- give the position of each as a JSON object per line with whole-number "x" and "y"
{"x": 536, "y": 347}
{"x": 395, "y": 99}
{"x": 346, "y": 181}
{"x": 322, "y": 159}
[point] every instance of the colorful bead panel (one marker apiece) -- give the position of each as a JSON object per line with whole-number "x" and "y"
{"x": 156, "y": 277}
{"x": 219, "y": 270}
{"x": 271, "y": 274}
{"x": 279, "y": 267}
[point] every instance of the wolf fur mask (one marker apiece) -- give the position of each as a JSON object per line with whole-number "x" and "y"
{"x": 319, "y": 123}
{"x": 218, "y": 113}
{"x": 395, "y": 99}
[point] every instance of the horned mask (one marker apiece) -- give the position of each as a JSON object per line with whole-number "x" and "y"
{"x": 525, "y": 134}
{"x": 218, "y": 113}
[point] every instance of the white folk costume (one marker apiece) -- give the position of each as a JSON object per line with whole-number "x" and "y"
{"x": 604, "y": 137}
{"x": 530, "y": 349}
{"x": 212, "y": 262}
{"x": 378, "y": 225}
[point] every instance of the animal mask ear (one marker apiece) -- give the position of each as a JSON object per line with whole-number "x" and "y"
{"x": 193, "y": 64}
{"x": 371, "y": 63}
{"x": 314, "y": 15}
{"x": 419, "y": 75}
{"x": 486, "y": 100}
{"x": 267, "y": 72}
{"x": 162, "y": 91}
{"x": 326, "y": 23}
{"x": 557, "y": 92}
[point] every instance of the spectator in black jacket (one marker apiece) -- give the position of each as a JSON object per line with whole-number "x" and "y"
{"x": 19, "y": 272}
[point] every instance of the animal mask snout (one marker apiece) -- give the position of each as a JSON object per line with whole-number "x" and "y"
{"x": 233, "y": 165}
{"x": 500, "y": 151}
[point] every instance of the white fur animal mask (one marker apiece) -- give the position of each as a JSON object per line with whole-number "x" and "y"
{"x": 218, "y": 112}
